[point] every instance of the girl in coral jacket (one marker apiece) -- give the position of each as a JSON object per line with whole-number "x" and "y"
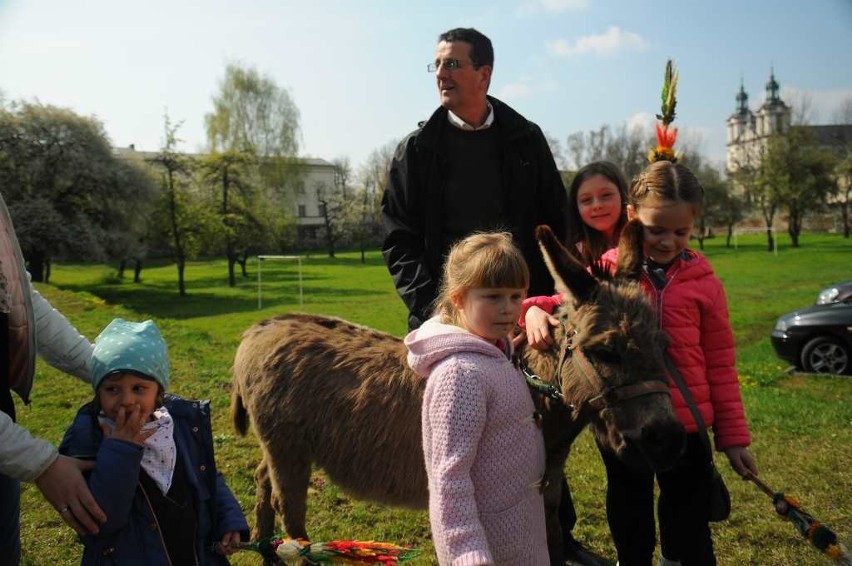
{"x": 665, "y": 200}
{"x": 484, "y": 453}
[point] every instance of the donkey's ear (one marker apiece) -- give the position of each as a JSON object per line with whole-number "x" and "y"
{"x": 569, "y": 275}
{"x": 631, "y": 255}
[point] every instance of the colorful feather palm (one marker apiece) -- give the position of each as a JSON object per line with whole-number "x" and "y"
{"x": 666, "y": 137}
{"x": 295, "y": 551}
{"x": 818, "y": 534}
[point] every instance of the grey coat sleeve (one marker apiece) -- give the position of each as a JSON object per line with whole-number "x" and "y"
{"x": 23, "y": 456}
{"x": 58, "y": 341}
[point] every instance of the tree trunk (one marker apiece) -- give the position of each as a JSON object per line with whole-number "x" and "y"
{"x": 121, "y": 265}
{"x": 137, "y": 271}
{"x": 35, "y": 265}
{"x": 232, "y": 279}
{"x": 794, "y": 228}
{"x": 47, "y": 270}
{"x": 181, "y": 267}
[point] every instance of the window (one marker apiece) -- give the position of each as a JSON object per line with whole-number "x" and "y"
{"x": 322, "y": 209}
{"x": 302, "y": 211}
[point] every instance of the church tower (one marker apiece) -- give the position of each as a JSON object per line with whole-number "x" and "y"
{"x": 774, "y": 116}
{"x": 741, "y": 126}
{"x": 749, "y": 133}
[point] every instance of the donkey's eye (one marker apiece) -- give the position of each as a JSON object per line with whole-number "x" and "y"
{"x": 607, "y": 356}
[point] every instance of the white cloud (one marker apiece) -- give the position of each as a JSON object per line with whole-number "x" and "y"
{"x": 551, "y": 6}
{"x": 608, "y": 43}
{"x": 563, "y": 5}
{"x": 644, "y": 121}
{"x": 513, "y": 91}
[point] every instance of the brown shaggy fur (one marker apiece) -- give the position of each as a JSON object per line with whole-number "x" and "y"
{"x": 322, "y": 391}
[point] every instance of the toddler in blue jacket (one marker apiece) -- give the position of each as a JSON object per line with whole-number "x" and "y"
{"x": 155, "y": 476}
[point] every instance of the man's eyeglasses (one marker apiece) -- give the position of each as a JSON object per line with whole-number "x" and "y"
{"x": 448, "y": 64}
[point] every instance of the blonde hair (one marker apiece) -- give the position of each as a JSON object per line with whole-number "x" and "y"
{"x": 482, "y": 260}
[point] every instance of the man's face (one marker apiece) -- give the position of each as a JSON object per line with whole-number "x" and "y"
{"x": 462, "y": 89}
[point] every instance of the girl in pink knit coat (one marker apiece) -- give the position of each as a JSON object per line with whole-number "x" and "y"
{"x": 483, "y": 450}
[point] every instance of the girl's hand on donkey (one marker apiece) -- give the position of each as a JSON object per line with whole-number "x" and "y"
{"x": 128, "y": 426}
{"x": 741, "y": 461}
{"x": 540, "y": 328}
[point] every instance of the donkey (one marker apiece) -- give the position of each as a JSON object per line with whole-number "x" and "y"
{"x": 326, "y": 392}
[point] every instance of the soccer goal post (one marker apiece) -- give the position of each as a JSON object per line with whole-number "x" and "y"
{"x": 261, "y": 259}
{"x": 763, "y": 229}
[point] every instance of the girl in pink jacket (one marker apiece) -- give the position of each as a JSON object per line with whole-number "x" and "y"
{"x": 484, "y": 453}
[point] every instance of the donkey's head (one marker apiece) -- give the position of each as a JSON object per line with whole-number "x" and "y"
{"x": 610, "y": 346}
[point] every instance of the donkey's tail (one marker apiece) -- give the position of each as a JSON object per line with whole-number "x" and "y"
{"x": 239, "y": 415}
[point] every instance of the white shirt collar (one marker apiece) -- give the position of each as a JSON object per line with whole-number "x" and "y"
{"x": 462, "y": 125}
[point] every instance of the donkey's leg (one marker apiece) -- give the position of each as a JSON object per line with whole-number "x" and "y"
{"x": 264, "y": 513}
{"x": 291, "y": 476}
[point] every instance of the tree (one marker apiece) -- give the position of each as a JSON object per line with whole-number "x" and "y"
{"x": 342, "y": 175}
{"x": 556, "y": 151}
{"x": 332, "y": 204}
{"x": 627, "y": 148}
{"x": 373, "y": 175}
{"x": 843, "y": 186}
{"x": 252, "y": 114}
{"x": 253, "y": 134}
{"x": 67, "y": 192}
{"x": 130, "y": 242}
{"x": 799, "y": 171}
{"x": 185, "y": 220}
{"x": 231, "y": 172}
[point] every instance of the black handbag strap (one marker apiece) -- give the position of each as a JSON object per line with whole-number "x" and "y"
{"x": 687, "y": 396}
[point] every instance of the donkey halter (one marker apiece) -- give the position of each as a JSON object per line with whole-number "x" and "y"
{"x": 608, "y": 396}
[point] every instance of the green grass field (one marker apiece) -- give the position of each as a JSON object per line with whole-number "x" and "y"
{"x": 802, "y": 425}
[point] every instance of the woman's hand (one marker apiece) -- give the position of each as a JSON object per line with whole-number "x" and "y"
{"x": 62, "y": 484}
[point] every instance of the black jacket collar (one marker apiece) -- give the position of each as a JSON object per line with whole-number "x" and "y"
{"x": 510, "y": 124}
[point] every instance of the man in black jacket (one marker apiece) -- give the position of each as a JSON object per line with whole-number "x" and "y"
{"x": 474, "y": 165}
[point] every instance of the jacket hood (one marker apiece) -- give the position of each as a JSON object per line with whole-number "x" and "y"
{"x": 435, "y": 341}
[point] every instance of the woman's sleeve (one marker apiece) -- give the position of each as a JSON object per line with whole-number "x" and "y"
{"x": 58, "y": 341}
{"x": 22, "y": 456}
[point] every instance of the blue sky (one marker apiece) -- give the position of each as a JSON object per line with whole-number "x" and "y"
{"x": 357, "y": 68}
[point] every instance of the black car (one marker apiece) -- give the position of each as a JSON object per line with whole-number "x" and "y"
{"x": 816, "y": 339}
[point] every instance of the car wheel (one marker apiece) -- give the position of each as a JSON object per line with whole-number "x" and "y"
{"x": 825, "y": 355}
